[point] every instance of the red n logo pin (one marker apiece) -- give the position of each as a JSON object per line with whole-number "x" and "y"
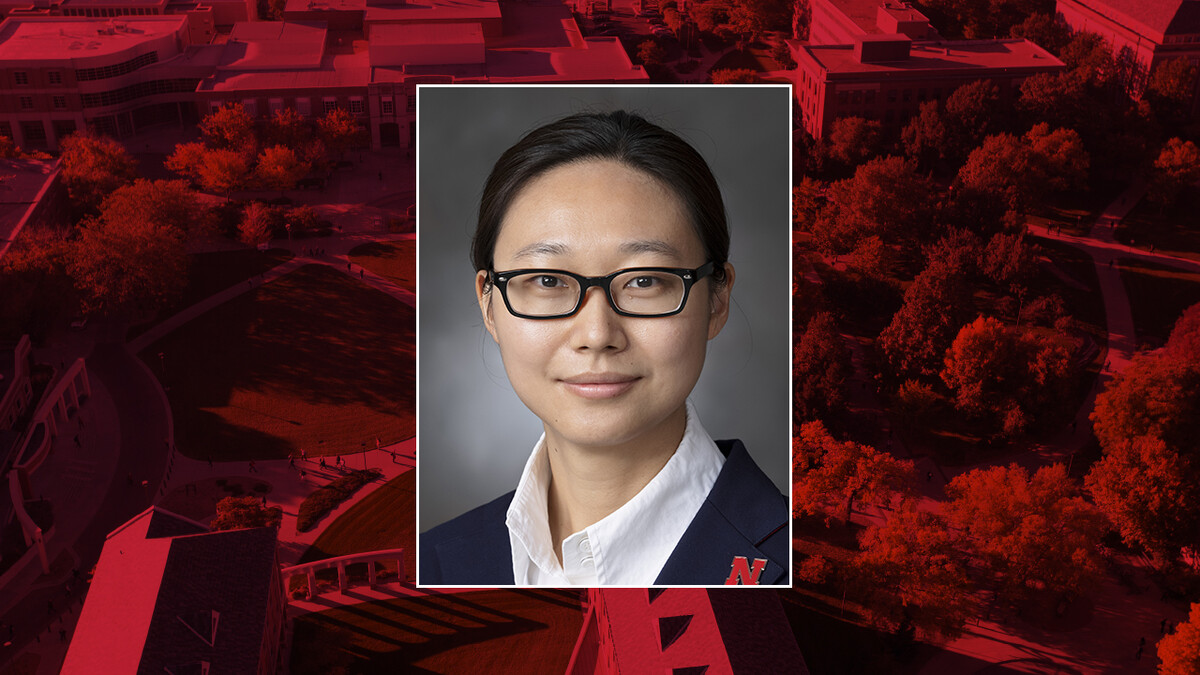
{"x": 742, "y": 575}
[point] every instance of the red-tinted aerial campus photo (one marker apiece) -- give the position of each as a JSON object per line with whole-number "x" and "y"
{"x": 208, "y": 343}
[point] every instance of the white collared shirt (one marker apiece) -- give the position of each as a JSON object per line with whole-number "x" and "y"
{"x": 629, "y": 546}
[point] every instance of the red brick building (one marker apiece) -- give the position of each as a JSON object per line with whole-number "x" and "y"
{"x": 887, "y": 77}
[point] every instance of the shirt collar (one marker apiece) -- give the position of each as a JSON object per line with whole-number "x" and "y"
{"x": 630, "y": 545}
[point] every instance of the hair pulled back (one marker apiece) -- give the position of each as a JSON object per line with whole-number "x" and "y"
{"x": 620, "y": 136}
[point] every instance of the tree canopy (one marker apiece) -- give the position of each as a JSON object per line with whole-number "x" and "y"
{"x": 92, "y": 167}
{"x": 236, "y": 513}
{"x": 829, "y": 474}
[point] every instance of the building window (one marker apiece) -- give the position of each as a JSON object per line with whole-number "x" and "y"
{"x": 356, "y": 105}
{"x": 412, "y": 103}
{"x": 275, "y": 105}
{"x": 54, "y": 77}
{"x": 328, "y": 104}
{"x": 86, "y": 74}
{"x": 251, "y": 106}
{"x": 843, "y": 97}
{"x": 60, "y": 102}
{"x": 304, "y": 106}
{"x": 891, "y": 96}
{"x": 34, "y": 132}
{"x": 387, "y": 106}
{"x": 856, "y": 96}
{"x": 907, "y": 95}
{"x": 26, "y": 103}
{"x": 21, "y": 77}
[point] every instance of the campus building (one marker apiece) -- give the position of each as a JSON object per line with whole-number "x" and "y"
{"x": 841, "y": 22}
{"x": 59, "y": 74}
{"x": 888, "y": 77}
{"x": 168, "y": 596}
{"x": 685, "y": 631}
{"x": 120, "y": 75}
{"x": 1141, "y": 34}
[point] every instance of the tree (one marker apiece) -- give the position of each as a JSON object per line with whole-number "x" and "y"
{"x": 733, "y": 76}
{"x": 1044, "y": 30}
{"x": 255, "y": 227}
{"x": 187, "y": 160}
{"x": 1171, "y": 89}
{"x": 229, "y": 128}
{"x": 223, "y": 171}
{"x": 279, "y": 168}
{"x": 829, "y": 474}
{"x": 1037, "y": 532}
{"x": 93, "y": 166}
{"x": 288, "y": 128}
{"x": 1058, "y": 99}
{"x": 1176, "y": 169}
{"x": 913, "y": 575}
{"x": 1148, "y": 422}
{"x": 935, "y": 306}
{"x": 129, "y": 268}
{"x": 38, "y": 292}
{"x": 755, "y": 17}
{"x": 1008, "y": 259}
{"x": 886, "y": 197}
{"x": 651, "y": 53}
{"x": 973, "y": 111}
{"x": 819, "y": 368}
{"x": 925, "y": 137}
{"x": 1007, "y": 375}
{"x": 1148, "y": 490}
{"x": 237, "y": 513}
{"x": 807, "y": 198}
{"x": 1179, "y": 652}
{"x": 979, "y": 19}
{"x": 165, "y": 202}
{"x": 1061, "y": 158}
{"x": 853, "y": 140}
{"x": 1024, "y": 169}
{"x": 339, "y": 131}
{"x": 710, "y": 15}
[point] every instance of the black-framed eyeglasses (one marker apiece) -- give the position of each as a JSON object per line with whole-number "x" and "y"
{"x": 636, "y": 291}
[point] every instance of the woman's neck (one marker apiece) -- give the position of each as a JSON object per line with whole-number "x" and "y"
{"x": 589, "y": 482}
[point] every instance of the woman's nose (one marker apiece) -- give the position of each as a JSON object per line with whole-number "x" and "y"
{"x": 596, "y": 325}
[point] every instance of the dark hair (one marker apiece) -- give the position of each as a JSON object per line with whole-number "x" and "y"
{"x": 621, "y": 136}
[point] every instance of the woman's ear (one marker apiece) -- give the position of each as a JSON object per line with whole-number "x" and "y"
{"x": 483, "y": 293}
{"x": 719, "y": 304}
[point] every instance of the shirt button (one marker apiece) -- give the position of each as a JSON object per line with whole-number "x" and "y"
{"x": 585, "y": 546}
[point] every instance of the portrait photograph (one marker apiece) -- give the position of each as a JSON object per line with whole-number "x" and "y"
{"x": 603, "y": 335}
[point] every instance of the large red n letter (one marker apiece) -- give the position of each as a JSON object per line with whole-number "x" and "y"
{"x": 742, "y": 575}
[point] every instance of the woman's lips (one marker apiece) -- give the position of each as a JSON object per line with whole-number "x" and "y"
{"x": 600, "y": 385}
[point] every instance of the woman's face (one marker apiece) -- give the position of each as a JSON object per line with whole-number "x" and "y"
{"x": 597, "y": 378}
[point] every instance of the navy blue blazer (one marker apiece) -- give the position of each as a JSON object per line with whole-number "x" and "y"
{"x": 743, "y": 516}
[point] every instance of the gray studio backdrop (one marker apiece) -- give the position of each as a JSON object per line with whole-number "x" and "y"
{"x": 473, "y": 433}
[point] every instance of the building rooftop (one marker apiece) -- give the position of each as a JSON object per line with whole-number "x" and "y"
{"x": 865, "y": 13}
{"x": 167, "y": 594}
{"x": 274, "y": 45}
{"x": 1161, "y": 17}
{"x": 959, "y": 55}
{"x": 334, "y": 70}
{"x": 420, "y": 11}
{"x": 600, "y": 59}
{"x": 66, "y": 38}
{"x": 112, "y": 3}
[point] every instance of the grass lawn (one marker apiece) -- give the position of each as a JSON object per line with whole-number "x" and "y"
{"x": 314, "y": 360}
{"x": 1173, "y": 232}
{"x": 1158, "y": 294}
{"x": 213, "y": 272}
{"x": 519, "y": 631}
{"x": 384, "y": 519}
{"x": 394, "y": 260}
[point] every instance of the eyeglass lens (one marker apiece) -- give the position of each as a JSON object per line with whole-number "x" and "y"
{"x": 635, "y": 292}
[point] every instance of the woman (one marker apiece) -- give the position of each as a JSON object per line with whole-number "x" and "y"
{"x": 601, "y": 273}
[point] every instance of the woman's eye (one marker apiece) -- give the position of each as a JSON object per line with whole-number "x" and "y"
{"x": 643, "y": 282}
{"x": 549, "y": 281}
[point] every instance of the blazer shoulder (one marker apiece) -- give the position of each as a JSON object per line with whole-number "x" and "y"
{"x": 471, "y": 549}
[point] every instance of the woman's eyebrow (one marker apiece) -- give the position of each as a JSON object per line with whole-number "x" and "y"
{"x": 649, "y": 246}
{"x": 541, "y": 248}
